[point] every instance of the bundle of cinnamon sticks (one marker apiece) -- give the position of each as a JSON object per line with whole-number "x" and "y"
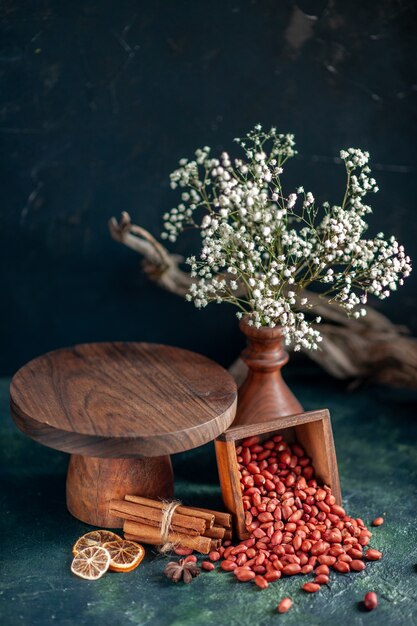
{"x": 202, "y": 530}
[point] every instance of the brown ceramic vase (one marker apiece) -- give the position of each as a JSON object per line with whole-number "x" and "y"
{"x": 264, "y": 395}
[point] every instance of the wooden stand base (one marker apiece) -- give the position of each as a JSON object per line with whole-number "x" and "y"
{"x": 93, "y": 482}
{"x": 120, "y": 409}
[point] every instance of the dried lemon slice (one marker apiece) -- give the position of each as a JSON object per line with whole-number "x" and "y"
{"x": 91, "y": 563}
{"x": 124, "y": 555}
{"x": 94, "y": 538}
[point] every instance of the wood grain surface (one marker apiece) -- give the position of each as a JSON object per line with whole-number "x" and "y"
{"x": 122, "y": 399}
{"x": 92, "y": 483}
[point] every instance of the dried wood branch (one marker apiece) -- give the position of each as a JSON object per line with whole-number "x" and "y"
{"x": 371, "y": 349}
{"x": 160, "y": 265}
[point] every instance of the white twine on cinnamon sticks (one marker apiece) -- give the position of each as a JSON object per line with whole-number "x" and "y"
{"x": 167, "y": 514}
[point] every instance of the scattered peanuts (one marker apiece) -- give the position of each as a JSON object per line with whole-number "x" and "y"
{"x": 311, "y": 587}
{"x": 284, "y": 605}
{"x": 291, "y": 569}
{"x": 341, "y": 567}
{"x": 228, "y": 565}
{"x": 208, "y": 566}
{"x": 378, "y": 521}
{"x": 373, "y": 555}
{"x": 261, "y": 582}
{"x": 370, "y": 600}
{"x": 321, "y": 579}
{"x": 272, "y": 576}
{"x": 191, "y": 558}
{"x": 294, "y": 523}
{"x": 244, "y": 575}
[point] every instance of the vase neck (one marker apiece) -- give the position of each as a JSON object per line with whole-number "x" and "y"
{"x": 264, "y": 396}
{"x": 264, "y": 351}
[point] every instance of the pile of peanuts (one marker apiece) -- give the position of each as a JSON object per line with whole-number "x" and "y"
{"x": 295, "y": 525}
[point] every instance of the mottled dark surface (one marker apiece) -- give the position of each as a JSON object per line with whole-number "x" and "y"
{"x": 98, "y": 101}
{"x": 375, "y": 432}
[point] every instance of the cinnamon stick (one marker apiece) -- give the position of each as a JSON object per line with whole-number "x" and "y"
{"x": 215, "y": 544}
{"x": 208, "y": 516}
{"x": 217, "y": 532}
{"x": 220, "y": 517}
{"x": 153, "y": 517}
{"x": 152, "y": 535}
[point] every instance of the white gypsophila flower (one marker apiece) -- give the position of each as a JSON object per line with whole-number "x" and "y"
{"x": 291, "y": 200}
{"x": 260, "y": 252}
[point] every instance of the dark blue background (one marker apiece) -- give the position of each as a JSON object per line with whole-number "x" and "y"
{"x": 98, "y": 101}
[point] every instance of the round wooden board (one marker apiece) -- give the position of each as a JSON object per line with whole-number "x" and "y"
{"x": 115, "y": 400}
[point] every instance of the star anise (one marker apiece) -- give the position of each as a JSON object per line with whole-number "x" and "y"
{"x": 181, "y": 570}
